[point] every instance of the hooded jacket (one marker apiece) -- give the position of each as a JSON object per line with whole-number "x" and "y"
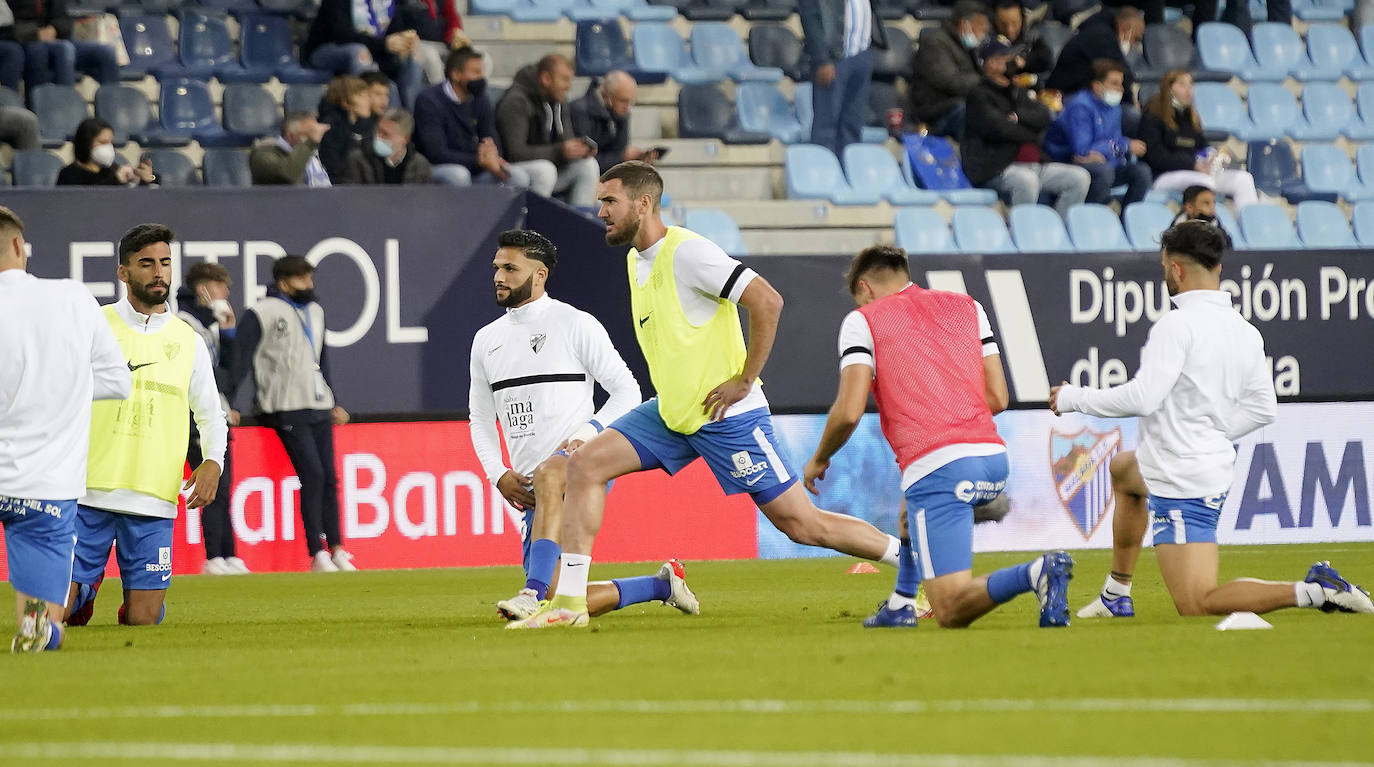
{"x": 532, "y": 127}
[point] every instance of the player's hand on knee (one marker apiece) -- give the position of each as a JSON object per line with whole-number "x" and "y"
{"x": 516, "y": 489}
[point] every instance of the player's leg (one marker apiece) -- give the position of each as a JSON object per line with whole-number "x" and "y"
{"x": 38, "y": 548}
{"x": 144, "y": 552}
{"x": 668, "y": 585}
{"x": 1129, "y": 521}
{"x": 1190, "y": 573}
{"x": 301, "y": 450}
{"x": 95, "y": 534}
{"x": 795, "y": 516}
{"x": 543, "y": 525}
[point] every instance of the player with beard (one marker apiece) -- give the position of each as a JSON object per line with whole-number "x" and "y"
{"x": 1203, "y": 383}
{"x": 533, "y": 370}
{"x": 684, "y": 291}
{"x": 138, "y": 445}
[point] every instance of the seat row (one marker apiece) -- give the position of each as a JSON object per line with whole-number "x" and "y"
{"x": 1275, "y": 52}
{"x": 220, "y": 167}
{"x": 205, "y": 48}
{"x": 1270, "y": 111}
{"x": 1324, "y": 173}
{"x": 761, "y": 113}
{"x": 236, "y": 7}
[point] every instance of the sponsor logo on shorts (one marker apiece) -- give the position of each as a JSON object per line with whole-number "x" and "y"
{"x": 746, "y": 469}
{"x": 164, "y": 562}
{"x": 969, "y": 491}
{"x": 22, "y": 506}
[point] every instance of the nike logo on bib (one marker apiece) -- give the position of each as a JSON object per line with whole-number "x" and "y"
{"x": 133, "y": 367}
{"x": 643, "y": 320}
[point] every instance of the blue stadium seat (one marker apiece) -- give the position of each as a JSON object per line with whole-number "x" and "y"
{"x": 1273, "y": 112}
{"x": 1228, "y": 222}
{"x": 718, "y": 227}
{"x": 1167, "y": 48}
{"x": 207, "y": 49}
{"x": 226, "y": 167}
{"x": 711, "y": 10}
{"x": 490, "y": 7}
{"x": 774, "y": 45}
{"x": 1328, "y": 113}
{"x": 36, "y": 167}
{"x": 717, "y": 48}
{"x": 150, "y": 47}
{"x": 1038, "y": 229}
{"x": 894, "y": 62}
{"x": 539, "y": 10}
{"x": 1323, "y": 225}
{"x": 762, "y": 109}
{"x": 1278, "y": 48}
{"x": 1056, "y": 35}
{"x": 1362, "y": 217}
{"x": 1326, "y": 169}
{"x": 1145, "y": 221}
{"x": 1332, "y": 47}
{"x": 659, "y": 50}
{"x": 1267, "y": 227}
{"x": 813, "y": 173}
{"x": 1319, "y": 10}
{"x": 981, "y": 230}
{"x": 1097, "y": 229}
{"x": 767, "y": 10}
{"x": 303, "y": 9}
{"x": 60, "y": 109}
{"x": 704, "y": 112}
{"x": 801, "y": 105}
{"x": 869, "y": 166}
{"x": 1364, "y": 165}
{"x": 267, "y": 51}
{"x": 890, "y": 10}
{"x": 606, "y": 10}
{"x": 186, "y": 110}
{"x": 1362, "y": 123}
{"x": 930, "y": 162}
{"x": 922, "y": 230}
{"x": 1366, "y": 38}
{"x": 250, "y": 112}
{"x": 1223, "y": 48}
{"x": 1221, "y": 111}
{"x": 1275, "y": 170}
{"x": 602, "y": 46}
{"x": 173, "y": 168}
{"x": 130, "y": 116}
{"x": 305, "y": 97}
{"x": 232, "y": 6}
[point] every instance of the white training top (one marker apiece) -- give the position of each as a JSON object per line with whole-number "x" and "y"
{"x": 205, "y": 406}
{"x": 533, "y": 369}
{"x": 1203, "y": 383}
{"x": 56, "y": 355}
{"x": 704, "y": 275}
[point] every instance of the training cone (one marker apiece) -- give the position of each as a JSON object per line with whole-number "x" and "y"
{"x": 1242, "y": 622}
{"x": 862, "y": 567}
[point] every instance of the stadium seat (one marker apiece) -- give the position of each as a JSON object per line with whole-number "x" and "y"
{"x": 186, "y": 110}
{"x": 1364, "y": 165}
{"x": 250, "y": 112}
{"x": 1278, "y": 48}
{"x": 1267, "y": 227}
{"x": 601, "y": 46}
{"x": 711, "y": 10}
{"x": 490, "y": 7}
{"x": 1327, "y": 113}
{"x": 1096, "y": 228}
{"x": 130, "y": 116}
{"x": 1056, "y": 36}
{"x": 762, "y": 109}
{"x": 890, "y": 10}
{"x": 869, "y": 166}
{"x": 1228, "y": 222}
{"x": 206, "y": 48}
{"x": 801, "y": 105}
{"x": 704, "y": 112}
{"x": 774, "y": 45}
{"x": 1362, "y": 122}
{"x": 930, "y": 162}
{"x": 173, "y": 168}
{"x": 1167, "y": 48}
{"x": 659, "y": 50}
{"x": 1038, "y": 229}
{"x": 305, "y": 97}
{"x": 1323, "y": 225}
{"x": 718, "y": 227}
{"x": 150, "y": 47}
{"x": 1145, "y": 221}
{"x": 922, "y": 230}
{"x": 226, "y": 167}
{"x": 608, "y": 10}
{"x": 300, "y": 8}
{"x": 1275, "y": 170}
{"x": 60, "y": 109}
{"x": 36, "y": 167}
{"x": 232, "y": 6}
{"x": 9, "y": 97}
{"x": 1332, "y": 47}
{"x": 539, "y": 10}
{"x": 1362, "y": 217}
{"x": 717, "y": 48}
{"x": 1221, "y": 111}
{"x": 1273, "y": 112}
{"x": 267, "y": 51}
{"x": 767, "y": 10}
{"x": 1223, "y": 48}
{"x": 981, "y": 230}
{"x": 813, "y": 173}
{"x": 894, "y": 62}
{"x": 1326, "y": 169}
{"x": 1319, "y": 10}
{"x": 930, "y": 10}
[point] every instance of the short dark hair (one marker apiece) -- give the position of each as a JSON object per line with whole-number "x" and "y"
{"x": 639, "y": 178}
{"x": 1104, "y": 67}
{"x": 888, "y": 257}
{"x": 84, "y": 138}
{"x": 142, "y": 236}
{"x": 551, "y": 62}
{"x": 534, "y": 245}
{"x": 998, "y": 5}
{"x": 1199, "y": 241}
{"x": 287, "y": 267}
{"x": 206, "y": 272}
{"x": 459, "y": 58}
{"x": 967, "y": 9}
{"x": 1190, "y": 194}
{"x": 10, "y": 220}
{"x": 375, "y": 77}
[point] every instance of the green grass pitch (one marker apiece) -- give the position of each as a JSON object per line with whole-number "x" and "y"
{"x": 412, "y": 667}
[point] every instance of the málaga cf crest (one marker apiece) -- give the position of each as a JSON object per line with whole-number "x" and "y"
{"x": 1081, "y": 465}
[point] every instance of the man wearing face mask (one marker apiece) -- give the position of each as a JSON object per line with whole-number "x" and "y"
{"x": 603, "y": 115}
{"x": 281, "y": 340}
{"x": 389, "y": 159}
{"x": 1109, "y": 34}
{"x": 1088, "y": 133}
{"x": 943, "y": 70}
{"x": 455, "y": 128}
{"x": 293, "y": 157}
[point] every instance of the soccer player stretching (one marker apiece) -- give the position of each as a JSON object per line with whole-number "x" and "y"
{"x": 684, "y": 291}
{"x": 929, "y": 358}
{"x": 1203, "y": 383}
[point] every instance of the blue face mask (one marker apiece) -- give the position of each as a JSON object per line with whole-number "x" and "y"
{"x": 382, "y": 148}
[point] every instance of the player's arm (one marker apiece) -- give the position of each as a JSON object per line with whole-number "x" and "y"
{"x": 994, "y": 380}
{"x": 109, "y": 370}
{"x": 845, "y": 412}
{"x": 210, "y": 425}
{"x": 1161, "y": 364}
{"x": 765, "y": 309}
{"x": 608, "y": 368}
{"x": 485, "y": 440}
{"x": 1258, "y": 406}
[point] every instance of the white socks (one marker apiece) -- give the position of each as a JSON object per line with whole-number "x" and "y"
{"x": 1037, "y": 566}
{"x": 1114, "y": 589}
{"x": 1309, "y": 594}
{"x": 890, "y": 558}
{"x": 572, "y": 575}
{"x": 897, "y": 602}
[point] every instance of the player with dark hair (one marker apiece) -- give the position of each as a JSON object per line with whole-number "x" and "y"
{"x": 533, "y": 370}
{"x": 1199, "y": 204}
{"x": 929, "y": 358}
{"x": 1203, "y": 383}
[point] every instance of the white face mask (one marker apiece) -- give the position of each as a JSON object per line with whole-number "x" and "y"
{"x": 1111, "y": 98}
{"x": 1178, "y": 104}
{"x": 1125, "y": 47}
{"x": 103, "y": 155}
{"x": 221, "y": 309}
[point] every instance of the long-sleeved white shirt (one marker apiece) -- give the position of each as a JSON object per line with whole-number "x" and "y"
{"x": 533, "y": 369}
{"x": 1203, "y": 383}
{"x": 56, "y": 355}
{"x": 211, "y": 424}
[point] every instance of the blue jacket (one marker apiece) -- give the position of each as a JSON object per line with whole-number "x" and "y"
{"x": 1087, "y": 125}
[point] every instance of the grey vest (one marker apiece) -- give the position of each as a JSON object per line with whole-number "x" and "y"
{"x": 286, "y": 371}
{"x": 210, "y": 336}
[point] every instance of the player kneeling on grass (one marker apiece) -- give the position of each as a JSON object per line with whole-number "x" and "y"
{"x": 930, "y": 360}
{"x": 533, "y": 368}
{"x": 1203, "y": 383}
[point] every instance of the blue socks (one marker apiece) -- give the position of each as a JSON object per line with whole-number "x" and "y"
{"x": 644, "y": 588}
{"x": 544, "y": 555}
{"x": 1008, "y": 582}
{"x": 908, "y": 578}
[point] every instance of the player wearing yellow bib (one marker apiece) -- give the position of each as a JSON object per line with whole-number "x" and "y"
{"x": 138, "y": 445}
{"x": 684, "y": 291}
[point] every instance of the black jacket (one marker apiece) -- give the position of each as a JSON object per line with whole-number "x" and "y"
{"x": 592, "y": 119}
{"x": 343, "y": 137}
{"x": 365, "y": 167}
{"x": 32, "y": 15}
{"x": 1039, "y": 58}
{"x": 1168, "y": 150}
{"x": 530, "y": 125}
{"x": 943, "y": 73}
{"x": 333, "y": 23}
{"x": 991, "y": 139}
{"x": 1096, "y": 39}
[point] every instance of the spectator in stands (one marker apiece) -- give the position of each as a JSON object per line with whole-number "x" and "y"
{"x": 1199, "y": 204}
{"x": 455, "y": 129}
{"x": 347, "y": 110}
{"x": 293, "y": 157}
{"x": 95, "y": 165}
{"x": 1002, "y": 135}
{"x": 839, "y": 37}
{"x": 1031, "y": 54}
{"x": 389, "y": 160}
{"x": 1106, "y": 35}
{"x": 19, "y": 127}
{"x": 352, "y": 37}
{"x": 603, "y": 115}
{"x": 440, "y": 27}
{"x": 378, "y": 92}
{"x": 535, "y": 123}
{"x": 50, "y": 55}
{"x": 943, "y": 70}
{"x": 1177, "y": 151}
{"x": 1236, "y": 13}
{"x": 1088, "y": 133}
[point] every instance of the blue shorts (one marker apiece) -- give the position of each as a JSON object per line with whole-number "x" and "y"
{"x": 939, "y": 509}
{"x": 39, "y": 539}
{"x": 1185, "y": 520}
{"x": 144, "y": 548}
{"x": 740, "y": 450}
